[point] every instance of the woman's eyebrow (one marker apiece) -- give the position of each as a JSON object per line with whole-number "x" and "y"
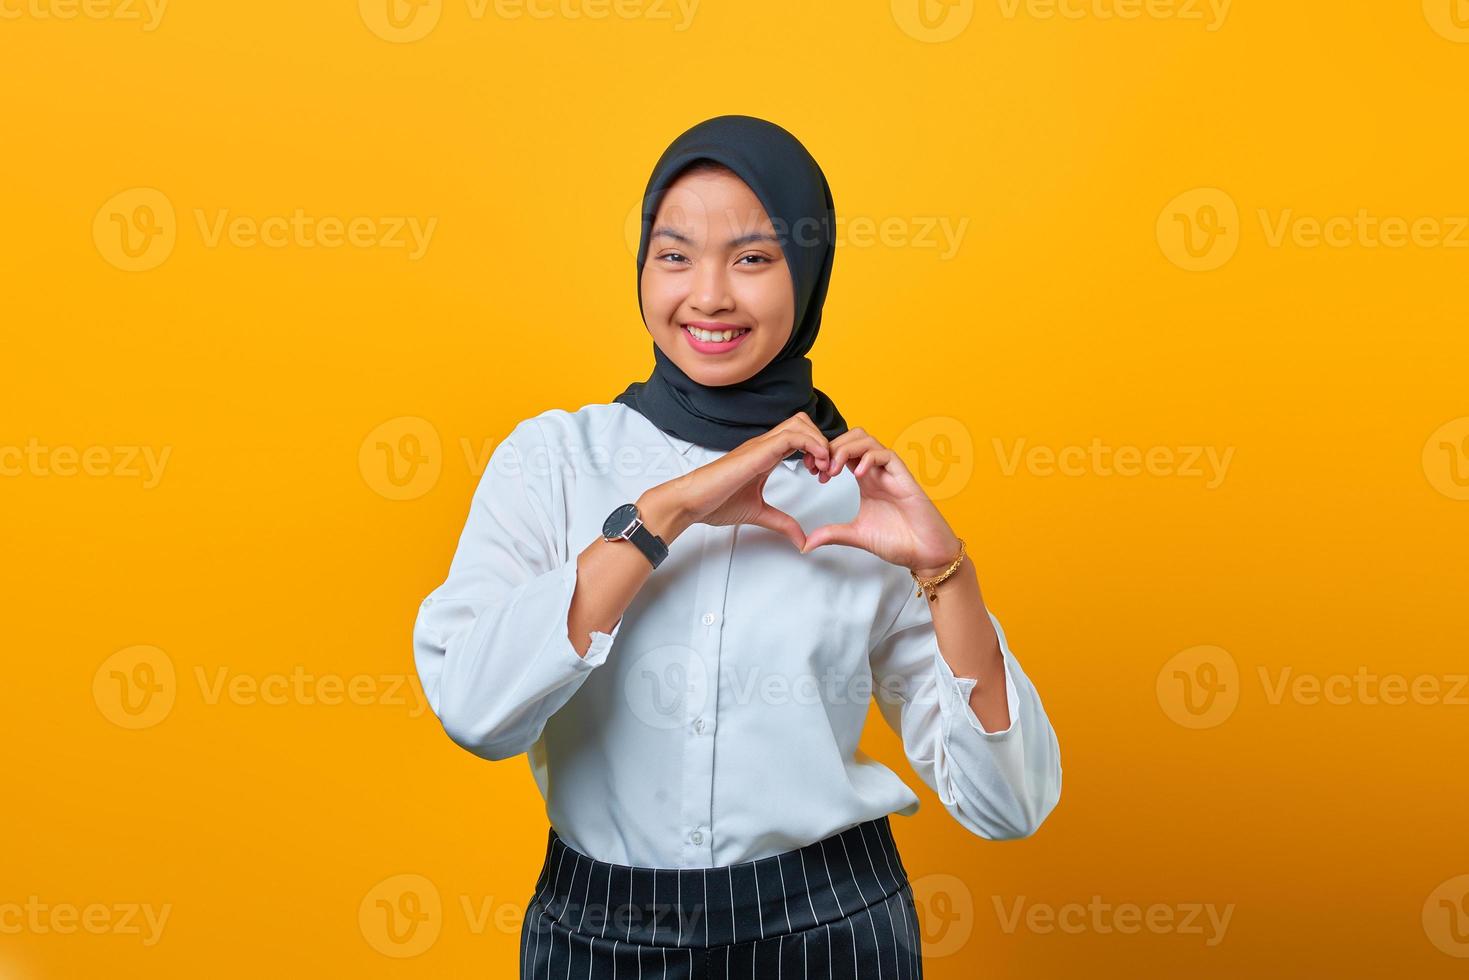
{"x": 736, "y": 242}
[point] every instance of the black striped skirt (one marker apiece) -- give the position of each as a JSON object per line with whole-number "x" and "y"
{"x": 839, "y": 908}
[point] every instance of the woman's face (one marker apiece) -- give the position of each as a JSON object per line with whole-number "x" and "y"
{"x": 714, "y": 264}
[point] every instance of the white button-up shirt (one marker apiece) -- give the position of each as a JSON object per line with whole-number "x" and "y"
{"x": 718, "y": 722}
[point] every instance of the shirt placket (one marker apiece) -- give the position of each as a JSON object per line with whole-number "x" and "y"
{"x": 701, "y": 717}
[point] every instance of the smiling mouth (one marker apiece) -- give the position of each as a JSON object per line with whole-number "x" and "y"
{"x": 713, "y": 341}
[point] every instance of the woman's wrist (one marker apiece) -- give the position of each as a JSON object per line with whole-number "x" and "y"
{"x": 936, "y": 570}
{"x": 929, "y": 571}
{"x": 662, "y": 514}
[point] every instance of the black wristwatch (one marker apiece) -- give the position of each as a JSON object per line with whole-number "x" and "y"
{"x": 626, "y": 524}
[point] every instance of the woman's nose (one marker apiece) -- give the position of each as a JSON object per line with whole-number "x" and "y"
{"x": 710, "y": 288}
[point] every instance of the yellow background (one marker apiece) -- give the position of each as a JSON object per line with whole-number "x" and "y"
{"x": 270, "y": 545}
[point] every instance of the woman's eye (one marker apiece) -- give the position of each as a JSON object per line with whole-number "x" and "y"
{"x": 758, "y": 258}
{"x": 676, "y": 256}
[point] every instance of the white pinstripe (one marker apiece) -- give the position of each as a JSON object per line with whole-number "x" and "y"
{"x": 567, "y": 903}
{"x": 917, "y": 929}
{"x": 814, "y": 917}
{"x": 607, "y": 903}
{"x": 535, "y": 907}
{"x": 891, "y": 877}
{"x": 870, "y": 924}
{"x": 840, "y": 909}
{"x": 784, "y": 901}
{"x": 911, "y": 927}
{"x": 907, "y": 936}
{"x": 555, "y": 881}
{"x": 892, "y": 927}
{"x": 755, "y": 870}
{"x": 887, "y": 908}
{"x": 585, "y": 895}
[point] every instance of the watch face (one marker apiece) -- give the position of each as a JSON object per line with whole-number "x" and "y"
{"x": 618, "y": 520}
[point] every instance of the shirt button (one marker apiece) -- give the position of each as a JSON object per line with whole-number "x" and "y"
{"x": 696, "y": 837}
{"x": 709, "y": 618}
{"x": 699, "y": 725}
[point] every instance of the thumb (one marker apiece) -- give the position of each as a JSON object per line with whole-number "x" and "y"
{"x": 832, "y": 534}
{"x": 781, "y": 523}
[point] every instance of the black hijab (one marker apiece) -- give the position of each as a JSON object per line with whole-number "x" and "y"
{"x": 795, "y": 195}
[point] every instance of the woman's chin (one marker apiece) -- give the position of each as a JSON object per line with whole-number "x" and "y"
{"x": 726, "y": 374}
{"x": 711, "y": 375}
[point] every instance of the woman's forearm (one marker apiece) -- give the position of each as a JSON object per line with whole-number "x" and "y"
{"x": 968, "y": 642}
{"x": 610, "y": 573}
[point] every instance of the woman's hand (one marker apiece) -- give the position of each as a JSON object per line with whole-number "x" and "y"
{"x": 895, "y": 519}
{"x": 730, "y": 490}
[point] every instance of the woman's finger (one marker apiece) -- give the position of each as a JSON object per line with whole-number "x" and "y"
{"x": 781, "y": 523}
{"x": 849, "y": 450}
{"x": 856, "y": 432}
{"x": 806, "y": 437}
{"x": 847, "y": 534}
{"x": 876, "y": 456}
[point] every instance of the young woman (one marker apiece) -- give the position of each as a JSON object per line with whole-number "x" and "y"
{"x": 635, "y": 602}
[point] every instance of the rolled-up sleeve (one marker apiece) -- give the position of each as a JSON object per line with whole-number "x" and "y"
{"x": 491, "y": 644}
{"x": 1000, "y": 785}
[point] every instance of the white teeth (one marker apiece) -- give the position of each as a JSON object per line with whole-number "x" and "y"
{"x": 715, "y": 336}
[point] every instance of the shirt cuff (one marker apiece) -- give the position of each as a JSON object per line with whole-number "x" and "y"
{"x": 601, "y": 643}
{"x": 957, "y": 690}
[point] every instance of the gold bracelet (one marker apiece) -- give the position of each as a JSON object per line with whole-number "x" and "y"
{"x": 930, "y": 585}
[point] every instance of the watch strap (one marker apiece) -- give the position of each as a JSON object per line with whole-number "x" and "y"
{"x": 648, "y": 543}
